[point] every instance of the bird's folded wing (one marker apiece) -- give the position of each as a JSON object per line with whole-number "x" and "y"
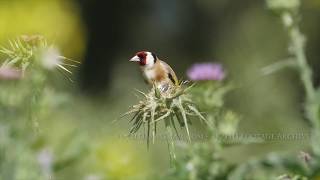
{"x": 171, "y": 74}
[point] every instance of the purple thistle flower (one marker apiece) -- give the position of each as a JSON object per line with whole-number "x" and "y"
{"x": 9, "y": 73}
{"x": 206, "y": 71}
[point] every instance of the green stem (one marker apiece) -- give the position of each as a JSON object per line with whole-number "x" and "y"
{"x": 170, "y": 139}
{"x": 311, "y": 107}
{"x": 305, "y": 71}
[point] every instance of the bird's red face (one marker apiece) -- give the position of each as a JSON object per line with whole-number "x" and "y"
{"x": 145, "y": 58}
{"x": 142, "y": 57}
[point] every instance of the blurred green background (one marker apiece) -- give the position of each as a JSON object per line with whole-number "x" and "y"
{"x": 243, "y": 35}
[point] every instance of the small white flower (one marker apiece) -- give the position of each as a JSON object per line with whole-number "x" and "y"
{"x": 287, "y": 19}
{"x": 51, "y": 58}
{"x": 190, "y": 166}
{"x": 45, "y": 160}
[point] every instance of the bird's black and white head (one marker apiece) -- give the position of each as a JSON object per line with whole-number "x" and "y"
{"x": 145, "y": 59}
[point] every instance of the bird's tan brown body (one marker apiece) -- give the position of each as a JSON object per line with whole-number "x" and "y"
{"x": 159, "y": 74}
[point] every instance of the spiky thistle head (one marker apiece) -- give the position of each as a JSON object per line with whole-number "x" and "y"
{"x": 169, "y": 107}
{"x": 34, "y": 50}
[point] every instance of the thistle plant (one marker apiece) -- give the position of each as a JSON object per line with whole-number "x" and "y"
{"x": 204, "y": 160}
{"x": 284, "y": 166}
{"x": 24, "y": 68}
{"x": 209, "y": 95}
{"x": 289, "y": 12}
{"x": 34, "y": 51}
{"x": 170, "y": 107}
{"x": 29, "y": 59}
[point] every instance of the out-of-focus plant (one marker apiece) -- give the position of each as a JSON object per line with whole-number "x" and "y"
{"x": 209, "y": 94}
{"x": 16, "y": 20}
{"x": 28, "y": 59}
{"x": 204, "y": 160}
{"x": 289, "y": 12}
{"x": 120, "y": 160}
{"x": 288, "y": 166}
{"x": 25, "y": 93}
{"x": 274, "y": 166}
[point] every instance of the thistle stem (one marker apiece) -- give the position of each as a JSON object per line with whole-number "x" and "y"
{"x": 305, "y": 71}
{"x": 311, "y": 107}
{"x": 170, "y": 139}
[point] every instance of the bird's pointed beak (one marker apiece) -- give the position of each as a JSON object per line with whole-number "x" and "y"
{"x": 135, "y": 59}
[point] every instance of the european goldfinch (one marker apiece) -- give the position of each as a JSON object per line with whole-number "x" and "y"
{"x": 155, "y": 71}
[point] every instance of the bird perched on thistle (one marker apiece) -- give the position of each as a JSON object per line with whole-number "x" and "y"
{"x": 155, "y": 71}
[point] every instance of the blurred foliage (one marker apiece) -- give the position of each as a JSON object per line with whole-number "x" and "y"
{"x": 120, "y": 160}
{"x": 56, "y": 19}
{"x": 29, "y": 103}
{"x": 203, "y": 160}
{"x": 202, "y": 164}
{"x": 25, "y": 102}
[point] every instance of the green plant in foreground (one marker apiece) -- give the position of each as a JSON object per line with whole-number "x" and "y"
{"x": 34, "y": 51}
{"x": 28, "y": 59}
{"x": 26, "y": 100}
